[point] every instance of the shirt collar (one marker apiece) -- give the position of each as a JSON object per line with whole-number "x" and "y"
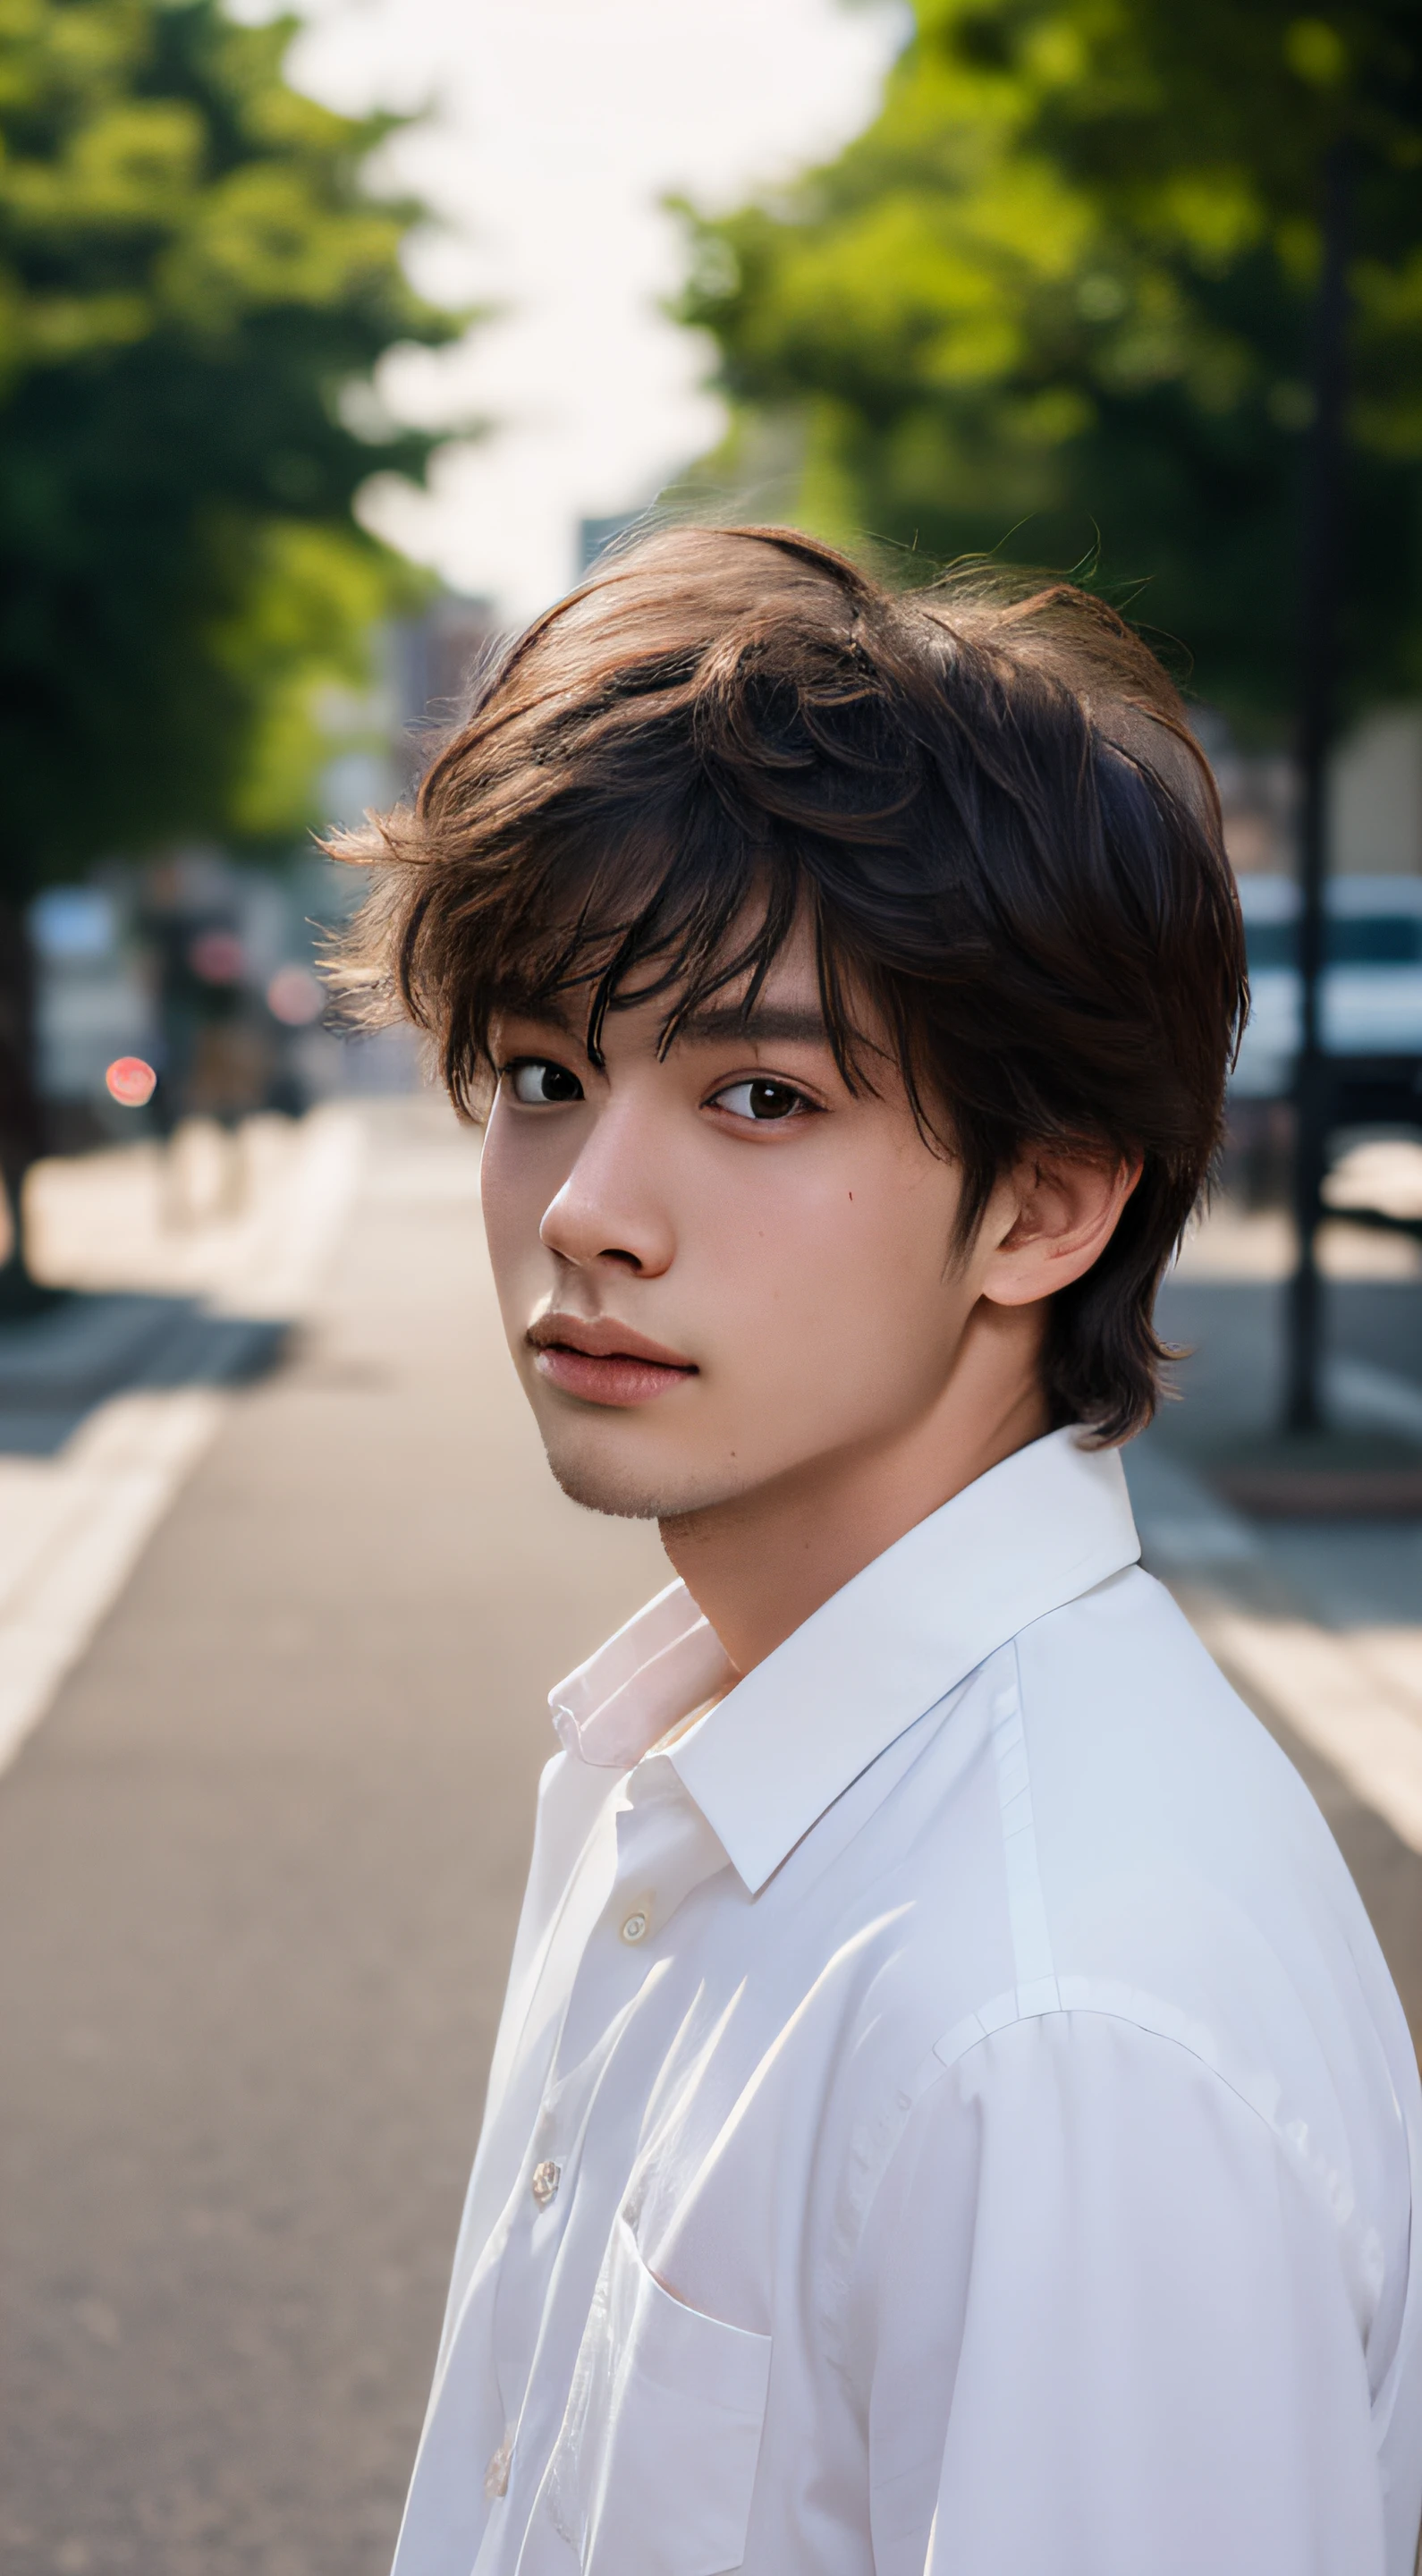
{"x": 663, "y": 1664}
{"x": 1037, "y": 1531}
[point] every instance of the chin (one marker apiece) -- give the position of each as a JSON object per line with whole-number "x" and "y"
{"x": 626, "y": 1490}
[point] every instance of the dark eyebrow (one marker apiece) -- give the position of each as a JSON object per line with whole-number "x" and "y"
{"x": 767, "y": 1024}
{"x": 547, "y": 1009}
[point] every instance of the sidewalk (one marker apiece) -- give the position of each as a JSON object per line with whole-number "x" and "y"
{"x": 109, "y": 1398}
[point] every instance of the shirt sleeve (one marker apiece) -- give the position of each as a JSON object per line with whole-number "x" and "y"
{"x": 1106, "y": 2327}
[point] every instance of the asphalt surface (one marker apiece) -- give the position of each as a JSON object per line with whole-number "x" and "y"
{"x": 258, "y": 1873}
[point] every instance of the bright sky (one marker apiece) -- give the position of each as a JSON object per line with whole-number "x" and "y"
{"x": 555, "y": 127}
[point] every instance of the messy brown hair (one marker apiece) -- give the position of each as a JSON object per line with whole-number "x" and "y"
{"x": 985, "y": 799}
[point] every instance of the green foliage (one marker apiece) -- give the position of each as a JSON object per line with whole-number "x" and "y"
{"x": 308, "y": 602}
{"x": 192, "y": 277}
{"x": 1056, "y": 304}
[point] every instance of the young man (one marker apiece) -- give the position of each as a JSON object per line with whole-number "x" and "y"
{"x": 950, "y": 2112}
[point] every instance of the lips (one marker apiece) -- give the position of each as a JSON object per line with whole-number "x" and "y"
{"x": 603, "y": 1362}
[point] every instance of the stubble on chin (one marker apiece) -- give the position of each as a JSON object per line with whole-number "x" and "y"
{"x": 616, "y": 1488}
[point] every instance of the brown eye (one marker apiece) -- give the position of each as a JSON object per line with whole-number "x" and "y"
{"x": 761, "y": 1101}
{"x": 537, "y": 1084}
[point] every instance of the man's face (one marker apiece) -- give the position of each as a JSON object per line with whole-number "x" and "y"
{"x": 719, "y": 1270}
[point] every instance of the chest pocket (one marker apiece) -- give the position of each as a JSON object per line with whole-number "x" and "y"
{"x": 655, "y": 2463}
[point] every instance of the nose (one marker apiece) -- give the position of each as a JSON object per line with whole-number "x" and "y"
{"x": 611, "y": 1208}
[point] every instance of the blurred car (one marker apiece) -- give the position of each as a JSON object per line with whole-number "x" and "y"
{"x": 1370, "y": 996}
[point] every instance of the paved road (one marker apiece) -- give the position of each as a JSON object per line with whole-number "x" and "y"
{"x": 257, "y": 1873}
{"x": 257, "y": 1876}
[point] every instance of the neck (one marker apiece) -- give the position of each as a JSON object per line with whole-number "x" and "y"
{"x": 759, "y": 1564}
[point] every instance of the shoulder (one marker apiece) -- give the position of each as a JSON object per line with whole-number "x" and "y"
{"x": 1170, "y": 1840}
{"x": 1132, "y": 1845}
{"x": 1174, "y": 1876}
{"x": 1077, "y": 2154}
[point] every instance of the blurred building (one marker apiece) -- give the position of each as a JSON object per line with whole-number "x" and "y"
{"x": 1375, "y": 801}
{"x": 435, "y": 661}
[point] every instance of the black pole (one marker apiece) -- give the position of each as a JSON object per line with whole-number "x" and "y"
{"x": 1321, "y": 587}
{"x": 21, "y": 1113}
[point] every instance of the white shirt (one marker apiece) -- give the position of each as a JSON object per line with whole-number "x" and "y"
{"x": 950, "y": 2117}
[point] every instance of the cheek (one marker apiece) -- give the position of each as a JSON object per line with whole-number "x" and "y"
{"x": 517, "y": 1179}
{"x": 841, "y": 1272}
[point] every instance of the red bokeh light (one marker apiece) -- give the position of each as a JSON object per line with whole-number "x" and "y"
{"x": 131, "y": 1082}
{"x": 294, "y": 997}
{"x": 217, "y": 957}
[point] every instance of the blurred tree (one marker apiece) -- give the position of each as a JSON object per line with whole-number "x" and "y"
{"x": 195, "y": 284}
{"x": 1057, "y": 304}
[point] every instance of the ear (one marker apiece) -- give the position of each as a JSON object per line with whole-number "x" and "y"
{"x": 1057, "y": 1213}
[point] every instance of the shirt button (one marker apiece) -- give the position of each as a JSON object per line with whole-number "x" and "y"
{"x": 546, "y": 2178}
{"x": 634, "y": 1927}
{"x": 496, "y": 2476}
